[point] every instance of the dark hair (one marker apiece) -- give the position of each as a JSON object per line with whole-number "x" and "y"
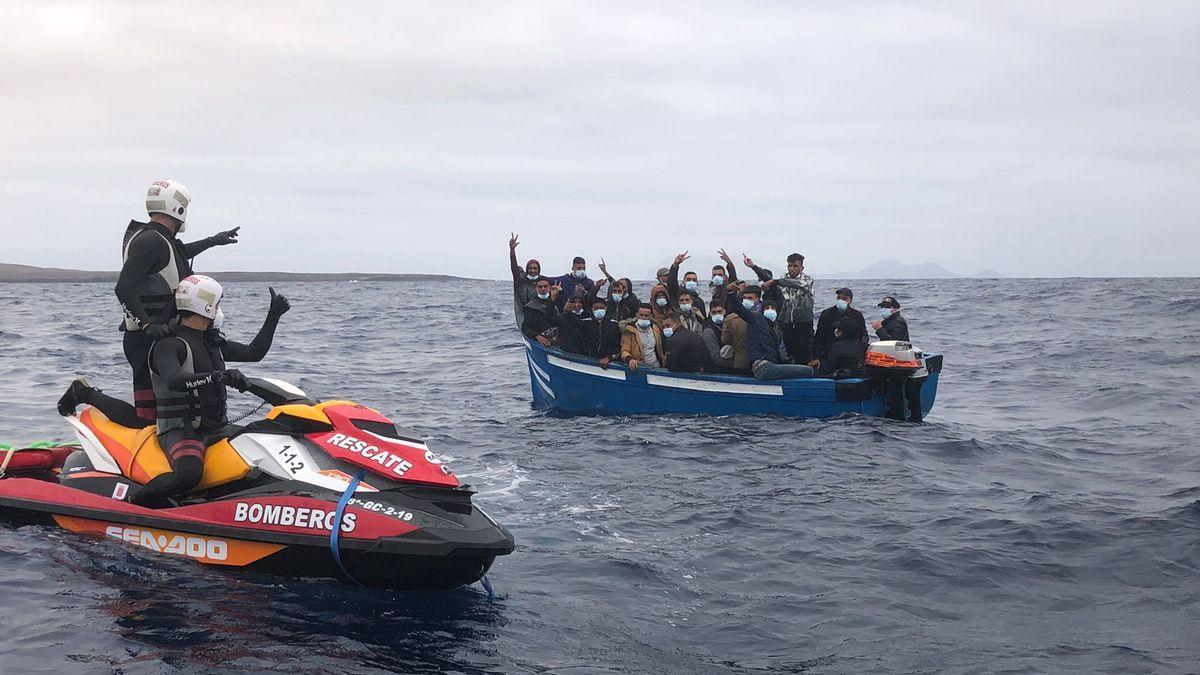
{"x": 771, "y": 305}
{"x": 845, "y": 291}
{"x": 687, "y": 273}
{"x": 540, "y": 279}
{"x": 687, "y": 293}
{"x": 713, "y": 304}
{"x": 578, "y": 261}
{"x": 572, "y": 298}
{"x": 753, "y": 289}
{"x": 796, "y": 258}
{"x": 646, "y": 305}
{"x": 599, "y": 301}
{"x": 719, "y": 267}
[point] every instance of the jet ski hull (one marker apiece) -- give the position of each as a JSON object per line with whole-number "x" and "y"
{"x": 284, "y": 529}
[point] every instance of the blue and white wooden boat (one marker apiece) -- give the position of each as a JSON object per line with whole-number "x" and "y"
{"x": 574, "y": 383}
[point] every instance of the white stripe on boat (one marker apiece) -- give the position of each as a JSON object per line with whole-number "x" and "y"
{"x": 714, "y": 386}
{"x": 585, "y": 369}
{"x": 537, "y": 370}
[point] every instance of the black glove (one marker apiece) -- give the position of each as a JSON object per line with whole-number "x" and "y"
{"x": 157, "y": 331}
{"x": 279, "y": 304}
{"x": 226, "y": 237}
{"x": 234, "y": 378}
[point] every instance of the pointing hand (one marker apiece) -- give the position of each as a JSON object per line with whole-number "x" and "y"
{"x": 227, "y": 237}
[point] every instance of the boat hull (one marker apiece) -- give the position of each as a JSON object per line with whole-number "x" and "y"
{"x": 576, "y": 384}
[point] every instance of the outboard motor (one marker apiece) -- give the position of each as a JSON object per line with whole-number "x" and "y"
{"x": 900, "y": 366}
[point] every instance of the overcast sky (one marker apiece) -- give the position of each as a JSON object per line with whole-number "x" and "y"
{"x": 1039, "y": 139}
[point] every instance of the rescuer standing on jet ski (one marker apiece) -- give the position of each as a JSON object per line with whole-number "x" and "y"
{"x": 188, "y": 374}
{"x": 154, "y": 261}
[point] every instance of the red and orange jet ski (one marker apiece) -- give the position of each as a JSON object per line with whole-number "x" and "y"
{"x": 331, "y": 489}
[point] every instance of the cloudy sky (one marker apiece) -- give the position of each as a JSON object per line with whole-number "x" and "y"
{"x": 1039, "y": 138}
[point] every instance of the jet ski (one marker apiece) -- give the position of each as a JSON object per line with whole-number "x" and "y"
{"x": 315, "y": 489}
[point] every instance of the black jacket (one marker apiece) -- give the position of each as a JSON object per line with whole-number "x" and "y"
{"x": 604, "y": 336}
{"x": 686, "y": 352}
{"x": 540, "y": 315}
{"x": 823, "y": 339}
{"x": 574, "y": 333}
{"x": 894, "y": 328}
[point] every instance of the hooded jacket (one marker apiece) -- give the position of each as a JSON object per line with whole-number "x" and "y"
{"x": 894, "y": 328}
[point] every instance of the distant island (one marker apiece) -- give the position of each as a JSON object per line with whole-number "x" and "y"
{"x": 894, "y": 269}
{"x": 12, "y": 273}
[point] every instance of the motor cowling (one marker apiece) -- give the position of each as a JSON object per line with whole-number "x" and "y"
{"x": 894, "y": 358}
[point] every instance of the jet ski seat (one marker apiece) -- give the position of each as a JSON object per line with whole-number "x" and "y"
{"x": 140, "y": 458}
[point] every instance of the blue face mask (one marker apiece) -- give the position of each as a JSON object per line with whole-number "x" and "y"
{"x": 771, "y": 314}
{"x": 841, "y": 305}
{"x": 885, "y": 312}
{"x": 661, "y": 302}
{"x": 685, "y": 307}
{"x": 690, "y": 285}
{"x": 617, "y": 297}
{"x": 579, "y": 274}
{"x": 643, "y": 323}
{"x": 718, "y": 281}
{"x": 599, "y": 313}
{"x": 748, "y": 304}
{"x": 668, "y": 332}
{"x": 718, "y": 319}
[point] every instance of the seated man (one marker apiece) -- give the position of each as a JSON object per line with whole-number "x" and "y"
{"x": 187, "y": 370}
{"x": 891, "y": 325}
{"x": 541, "y": 315}
{"x": 845, "y": 357}
{"x": 711, "y": 334}
{"x": 642, "y": 341}
{"x": 604, "y": 334}
{"x": 762, "y": 344}
{"x": 685, "y": 350}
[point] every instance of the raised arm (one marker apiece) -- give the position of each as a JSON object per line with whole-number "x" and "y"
{"x": 604, "y": 271}
{"x": 729, "y": 266}
{"x": 219, "y": 239}
{"x": 261, "y": 344}
{"x": 673, "y": 279}
{"x": 517, "y": 272}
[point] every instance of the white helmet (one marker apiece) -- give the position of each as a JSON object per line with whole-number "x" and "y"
{"x": 199, "y": 294}
{"x": 170, "y": 197}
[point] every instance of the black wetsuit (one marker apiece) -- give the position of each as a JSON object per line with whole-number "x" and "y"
{"x": 154, "y": 263}
{"x": 189, "y": 379}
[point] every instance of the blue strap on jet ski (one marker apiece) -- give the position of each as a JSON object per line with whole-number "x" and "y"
{"x": 487, "y": 586}
{"x": 337, "y": 525}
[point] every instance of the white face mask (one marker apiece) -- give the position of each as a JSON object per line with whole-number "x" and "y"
{"x": 690, "y": 285}
{"x": 748, "y": 304}
{"x": 579, "y": 274}
{"x": 685, "y": 307}
{"x": 718, "y": 281}
{"x": 668, "y": 332}
{"x": 532, "y": 277}
{"x": 841, "y": 304}
{"x": 543, "y": 296}
{"x": 643, "y": 323}
{"x": 577, "y": 312}
{"x": 885, "y": 312}
{"x": 718, "y": 319}
{"x": 661, "y": 302}
{"x": 771, "y": 314}
{"x": 599, "y": 313}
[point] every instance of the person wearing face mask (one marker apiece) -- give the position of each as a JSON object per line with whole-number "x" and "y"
{"x": 684, "y": 349}
{"x": 793, "y": 293}
{"x": 575, "y": 328}
{"x": 541, "y": 314}
{"x": 604, "y": 334}
{"x": 690, "y": 285}
{"x": 845, "y": 356}
{"x": 722, "y": 277}
{"x": 660, "y": 300}
{"x": 823, "y": 338}
{"x": 891, "y": 326}
{"x": 642, "y": 341}
{"x": 720, "y": 355}
{"x": 690, "y": 314}
{"x": 575, "y": 283}
{"x": 734, "y": 331}
{"x": 762, "y": 342}
{"x": 524, "y": 278}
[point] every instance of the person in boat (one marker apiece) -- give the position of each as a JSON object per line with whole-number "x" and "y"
{"x": 690, "y": 287}
{"x": 720, "y": 355}
{"x": 574, "y": 329}
{"x": 685, "y": 349}
{"x": 794, "y": 297}
{"x": 689, "y": 312}
{"x": 722, "y": 277}
{"x": 642, "y": 341}
{"x": 605, "y": 334}
{"x": 154, "y": 261}
{"x": 541, "y": 314}
{"x": 524, "y": 278}
{"x": 823, "y": 338}
{"x": 734, "y": 331}
{"x": 845, "y": 357}
{"x": 575, "y": 283}
{"x": 661, "y": 300}
{"x": 662, "y": 276}
{"x": 762, "y": 343}
{"x": 620, "y": 292}
{"x": 891, "y": 326}
{"x": 188, "y": 373}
